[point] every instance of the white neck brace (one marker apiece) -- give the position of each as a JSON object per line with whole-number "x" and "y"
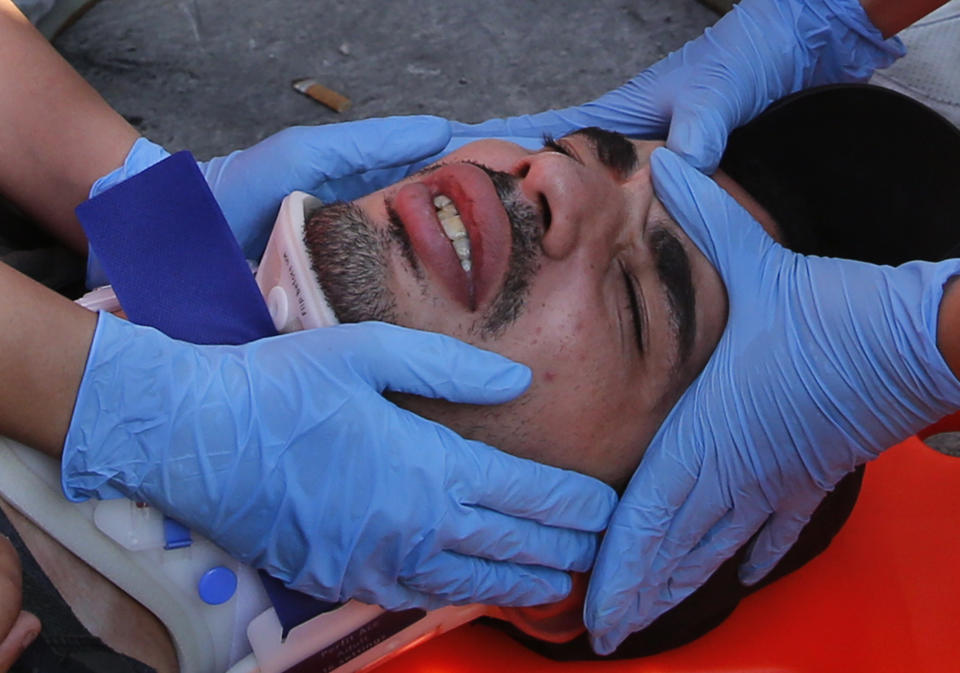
{"x": 285, "y": 277}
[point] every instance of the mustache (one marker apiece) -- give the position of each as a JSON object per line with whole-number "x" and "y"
{"x": 526, "y": 234}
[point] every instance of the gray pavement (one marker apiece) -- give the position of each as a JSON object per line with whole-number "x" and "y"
{"x": 214, "y": 75}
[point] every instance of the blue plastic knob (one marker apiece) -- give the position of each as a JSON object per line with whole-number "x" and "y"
{"x": 217, "y": 585}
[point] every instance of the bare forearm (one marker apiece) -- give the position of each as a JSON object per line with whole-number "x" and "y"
{"x": 44, "y": 341}
{"x": 57, "y": 135}
{"x": 892, "y": 16}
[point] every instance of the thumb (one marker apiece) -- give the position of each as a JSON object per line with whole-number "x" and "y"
{"x": 696, "y": 202}
{"x": 24, "y": 631}
{"x": 698, "y": 136}
{"x": 727, "y": 234}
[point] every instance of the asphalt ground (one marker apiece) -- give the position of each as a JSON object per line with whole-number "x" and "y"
{"x": 215, "y": 75}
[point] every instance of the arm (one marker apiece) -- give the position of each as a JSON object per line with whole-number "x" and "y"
{"x": 43, "y": 348}
{"x": 57, "y": 134}
{"x": 892, "y": 16}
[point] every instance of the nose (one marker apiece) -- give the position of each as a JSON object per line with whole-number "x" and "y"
{"x": 550, "y": 181}
{"x": 581, "y": 205}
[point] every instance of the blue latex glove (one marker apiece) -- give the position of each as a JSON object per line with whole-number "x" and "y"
{"x": 250, "y": 184}
{"x": 822, "y": 365}
{"x": 759, "y": 52}
{"x": 283, "y": 452}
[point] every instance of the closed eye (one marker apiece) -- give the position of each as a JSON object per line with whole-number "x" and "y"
{"x": 553, "y": 145}
{"x": 550, "y": 143}
{"x": 636, "y": 307}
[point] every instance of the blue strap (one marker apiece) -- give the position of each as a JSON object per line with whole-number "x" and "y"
{"x": 293, "y": 608}
{"x": 175, "y": 534}
{"x": 175, "y": 265}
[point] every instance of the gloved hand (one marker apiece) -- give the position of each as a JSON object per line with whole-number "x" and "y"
{"x": 822, "y": 365}
{"x": 250, "y": 184}
{"x": 283, "y": 452}
{"x": 759, "y": 52}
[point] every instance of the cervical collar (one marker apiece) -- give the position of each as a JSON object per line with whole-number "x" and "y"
{"x": 294, "y": 298}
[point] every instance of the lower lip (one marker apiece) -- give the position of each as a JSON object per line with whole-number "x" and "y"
{"x": 484, "y": 218}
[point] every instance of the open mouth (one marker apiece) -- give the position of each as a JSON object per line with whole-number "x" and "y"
{"x": 459, "y": 229}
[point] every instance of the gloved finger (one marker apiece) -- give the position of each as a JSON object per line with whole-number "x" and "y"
{"x": 614, "y": 588}
{"x": 687, "y": 577}
{"x": 607, "y": 642}
{"x": 698, "y": 135}
{"x": 433, "y": 365}
{"x": 344, "y": 149}
{"x": 647, "y": 515}
{"x": 691, "y": 527}
{"x": 555, "y": 123}
{"x": 523, "y": 488}
{"x": 632, "y": 109}
{"x": 628, "y": 110}
{"x": 645, "y": 604}
{"x": 669, "y": 579}
{"x": 776, "y": 538}
{"x": 620, "y": 578}
{"x": 483, "y": 533}
{"x": 23, "y": 632}
{"x": 704, "y": 510}
{"x": 360, "y": 184}
{"x": 611, "y": 617}
{"x": 459, "y": 579}
{"x": 722, "y": 542}
{"x": 394, "y": 597}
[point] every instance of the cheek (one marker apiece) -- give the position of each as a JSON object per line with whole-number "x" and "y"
{"x": 561, "y": 350}
{"x": 580, "y": 412}
{"x": 563, "y": 319}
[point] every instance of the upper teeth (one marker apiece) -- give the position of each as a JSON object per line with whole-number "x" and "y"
{"x": 454, "y": 229}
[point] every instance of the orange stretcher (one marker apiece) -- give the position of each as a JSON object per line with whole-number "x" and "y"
{"x": 885, "y": 596}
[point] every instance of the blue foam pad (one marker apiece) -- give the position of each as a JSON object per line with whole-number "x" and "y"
{"x": 172, "y": 260}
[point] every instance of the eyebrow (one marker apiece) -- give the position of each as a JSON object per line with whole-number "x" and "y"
{"x": 673, "y": 269}
{"x": 613, "y": 150}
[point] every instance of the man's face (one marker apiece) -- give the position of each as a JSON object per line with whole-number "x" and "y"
{"x": 574, "y": 268}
